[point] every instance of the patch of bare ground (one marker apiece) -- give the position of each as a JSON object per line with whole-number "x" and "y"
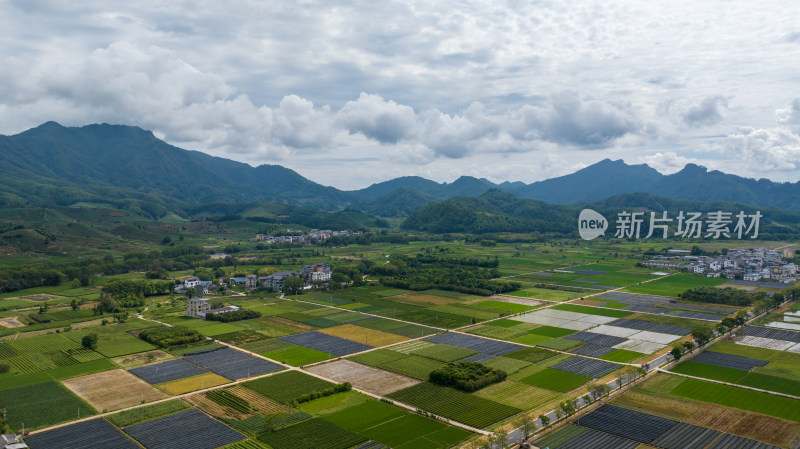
{"x": 112, "y": 390}
{"x": 367, "y": 378}
{"x": 767, "y": 429}
{"x": 11, "y": 322}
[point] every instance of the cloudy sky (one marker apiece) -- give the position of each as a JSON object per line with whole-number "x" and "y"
{"x": 351, "y": 93}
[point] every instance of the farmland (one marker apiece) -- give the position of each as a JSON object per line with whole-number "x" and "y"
{"x": 496, "y": 330}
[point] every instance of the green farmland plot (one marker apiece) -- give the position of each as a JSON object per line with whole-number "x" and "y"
{"x": 286, "y": 387}
{"x": 316, "y": 433}
{"x": 454, "y": 404}
{"x": 503, "y": 306}
{"x": 729, "y": 396}
{"x": 593, "y": 310}
{"x": 545, "y": 293}
{"x": 622, "y": 356}
{"x": 297, "y": 355}
{"x": 498, "y": 332}
{"x": 556, "y": 380}
{"x": 675, "y": 284}
{"x": 41, "y": 405}
{"x": 706, "y": 371}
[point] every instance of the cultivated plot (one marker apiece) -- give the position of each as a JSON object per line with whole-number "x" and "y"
{"x": 114, "y": 389}
{"x": 232, "y": 364}
{"x": 326, "y": 343}
{"x": 191, "y": 429}
{"x": 585, "y": 367}
{"x": 94, "y": 434}
{"x": 167, "y": 371}
{"x": 366, "y": 378}
{"x": 478, "y": 344}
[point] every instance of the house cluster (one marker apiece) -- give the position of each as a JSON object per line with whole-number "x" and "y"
{"x": 747, "y": 264}
{"x": 192, "y": 283}
{"x": 318, "y": 273}
{"x": 199, "y": 307}
{"x": 312, "y": 235}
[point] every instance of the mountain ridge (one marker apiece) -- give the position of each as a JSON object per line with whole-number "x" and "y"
{"x": 71, "y": 164}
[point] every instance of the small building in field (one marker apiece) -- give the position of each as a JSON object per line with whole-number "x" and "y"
{"x": 197, "y": 307}
{"x": 251, "y": 282}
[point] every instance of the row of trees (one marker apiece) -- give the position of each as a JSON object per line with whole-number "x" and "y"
{"x": 171, "y": 336}
{"x": 235, "y": 315}
{"x": 716, "y": 295}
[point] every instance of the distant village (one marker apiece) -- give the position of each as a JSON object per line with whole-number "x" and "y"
{"x": 758, "y": 264}
{"x": 312, "y": 236}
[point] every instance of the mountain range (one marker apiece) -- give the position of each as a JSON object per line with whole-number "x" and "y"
{"x": 130, "y": 168}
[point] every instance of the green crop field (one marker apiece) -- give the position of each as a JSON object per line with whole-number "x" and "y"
{"x": 593, "y": 310}
{"x": 146, "y": 413}
{"x": 364, "y": 416}
{"x": 545, "y": 293}
{"x": 500, "y": 333}
{"x": 532, "y": 355}
{"x": 556, "y": 380}
{"x": 297, "y": 355}
{"x": 622, "y": 356}
{"x": 713, "y": 372}
{"x": 378, "y": 357}
{"x": 552, "y": 332}
{"x": 531, "y": 339}
{"x": 413, "y": 366}
{"x": 771, "y": 383}
{"x": 781, "y": 363}
{"x": 509, "y": 365}
{"x": 457, "y": 405}
{"x": 729, "y": 396}
{"x": 517, "y": 394}
{"x": 443, "y": 353}
{"x": 560, "y": 344}
{"x": 502, "y": 306}
{"x": 41, "y": 405}
{"x": 286, "y": 387}
{"x": 675, "y": 284}
{"x": 316, "y": 433}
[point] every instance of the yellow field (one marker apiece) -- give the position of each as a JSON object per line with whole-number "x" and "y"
{"x": 112, "y": 390}
{"x": 193, "y": 383}
{"x": 360, "y": 334}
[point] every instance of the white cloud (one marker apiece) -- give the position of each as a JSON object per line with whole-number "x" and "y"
{"x": 669, "y": 162}
{"x": 790, "y": 115}
{"x": 775, "y": 149}
{"x": 371, "y": 115}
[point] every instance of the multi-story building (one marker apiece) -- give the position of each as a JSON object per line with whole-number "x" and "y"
{"x": 197, "y": 307}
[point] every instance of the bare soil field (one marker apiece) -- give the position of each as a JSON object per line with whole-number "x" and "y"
{"x": 11, "y": 322}
{"x": 202, "y": 402}
{"x": 112, "y": 390}
{"x": 142, "y": 359}
{"x": 367, "y": 378}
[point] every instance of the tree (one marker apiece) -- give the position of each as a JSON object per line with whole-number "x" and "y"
{"x": 702, "y": 336}
{"x": 526, "y": 424}
{"x": 499, "y": 438}
{"x": 89, "y": 341}
{"x": 598, "y": 390}
{"x": 676, "y": 352}
{"x": 74, "y": 304}
{"x": 688, "y": 347}
{"x": 545, "y": 420}
{"x": 293, "y": 285}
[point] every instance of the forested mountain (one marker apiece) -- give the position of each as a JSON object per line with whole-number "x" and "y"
{"x": 498, "y": 212}
{"x": 127, "y": 157}
{"x": 131, "y": 169}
